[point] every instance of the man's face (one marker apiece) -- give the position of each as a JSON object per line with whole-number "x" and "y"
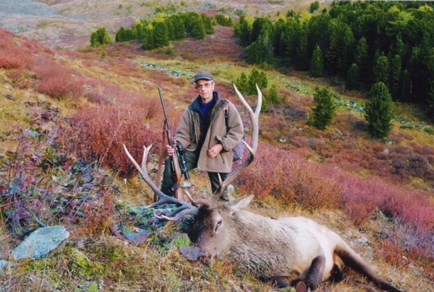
{"x": 205, "y": 89}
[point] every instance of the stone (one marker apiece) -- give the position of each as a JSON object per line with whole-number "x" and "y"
{"x": 40, "y": 242}
{"x": 186, "y": 185}
{"x": 3, "y": 263}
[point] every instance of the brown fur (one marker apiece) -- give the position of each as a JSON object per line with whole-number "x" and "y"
{"x": 287, "y": 250}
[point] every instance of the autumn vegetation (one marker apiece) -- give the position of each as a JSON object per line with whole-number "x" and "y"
{"x": 322, "y": 150}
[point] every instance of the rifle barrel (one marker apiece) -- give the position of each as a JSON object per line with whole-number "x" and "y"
{"x": 162, "y": 104}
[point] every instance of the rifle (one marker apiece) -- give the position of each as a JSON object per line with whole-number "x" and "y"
{"x": 177, "y": 161}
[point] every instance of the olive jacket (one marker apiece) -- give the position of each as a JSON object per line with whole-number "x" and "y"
{"x": 188, "y": 133}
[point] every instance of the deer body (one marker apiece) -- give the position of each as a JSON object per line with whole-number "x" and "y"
{"x": 286, "y": 250}
{"x": 263, "y": 246}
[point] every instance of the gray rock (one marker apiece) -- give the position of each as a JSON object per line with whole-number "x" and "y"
{"x": 186, "y": 185}
{"x": 3, "y": 263}
{"x": 40, "y": 242}
{"x": 362, "y": 240}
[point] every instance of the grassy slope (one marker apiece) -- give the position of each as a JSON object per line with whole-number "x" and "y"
{"x": 144, "y": 268}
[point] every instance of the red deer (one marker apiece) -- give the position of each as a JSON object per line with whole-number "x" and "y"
{"x": 285, "y": 251}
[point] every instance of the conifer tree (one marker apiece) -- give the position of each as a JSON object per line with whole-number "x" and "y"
{"x": 255, "y": 53}
{"x": 244, "y": 32}
{"x": 264, "y": 106}
{"x": 289, "y": 42}
{"x": 332, "y": 56}
{"x": 314, "y": 7}
{"x": 207, "y": 23}
{"x": 121, "y": 35}
{"x": 259, "y": 78}
{"x": 161, "y": 34}
{"x": 103, "y": 36}
{"x": 324, "y": 109}
{"x": 302, "y": 62}
{"x": 398, "y": 47}
{"x": 263, "y": 80}
{"x": 253, "y": 80}
{"x": 395, "y": 76}
{"x": 278, "y": 30}
{"x": 381, "y": 70}
{"x": 223, "y": 20}
{"x": 179, "y": 28}
{"x": 361, "y": 52}
{"x": 94, "y": 41}
{"x": 262, "y": 49}
{"x": 148, "y": 42}
{"x": 430, "y": 101}
{"x": 259, "y": 25}
{"x": 404, "y": 92}
{"x": 99, "y": 37}
{"x": 139, "y": 32}
{"x": 339, "y": 51}
{"x": 353, "y": 77}
{"x": 266, "y": 40}
{"x": 273, "y": 94}
{"x": 242, "y": 83}
{"x": 106, "y": 39}
{"x": 378, "y": 111}
{"x": 362, "y": 57}
{"x": 170, "y": 28}
{"x": 317, "y": 63}
{"x": 197, "y": 28}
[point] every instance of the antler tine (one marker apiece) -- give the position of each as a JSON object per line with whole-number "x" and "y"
{"x": 163, "y": 198}
{"x": 196, "y": 201}
{"x": 254, "y": 117}
{"x": 177, "y": 214}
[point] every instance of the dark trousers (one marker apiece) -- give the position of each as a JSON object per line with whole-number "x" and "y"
{"x": 191, "y": 159}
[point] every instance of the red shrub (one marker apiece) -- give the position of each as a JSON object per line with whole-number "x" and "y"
{"x": 313, "y": 143}
{"x": 13, "y": 52}
{"x": 59, "y": 87}
{"x": 10, "y": 61}
{"x": 360, "y": 198}
{"x": 291, "y": 179}
{"x": 425, "y": 150}
{"x": 134, "y": 120}
{"x": 393, "y": 253}
{"x": 57, "y": 81}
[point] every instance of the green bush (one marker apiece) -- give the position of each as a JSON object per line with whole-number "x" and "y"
{"x": 429, "y": 130}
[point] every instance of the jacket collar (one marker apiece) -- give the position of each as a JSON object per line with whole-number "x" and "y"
{"x": 195, "y": 105}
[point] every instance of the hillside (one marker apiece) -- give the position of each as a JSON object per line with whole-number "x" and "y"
{"x": 68, "y": 24}
{"x": 66, "y": 113}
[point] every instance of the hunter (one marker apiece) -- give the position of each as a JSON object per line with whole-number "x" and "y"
{"x": 209, "y": 130}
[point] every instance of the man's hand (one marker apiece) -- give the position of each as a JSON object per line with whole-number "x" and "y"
{"x": 170, "y": 150}
{"x": 215, "y": 150}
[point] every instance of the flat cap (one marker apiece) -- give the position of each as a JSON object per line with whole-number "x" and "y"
{"x": 203, "y": 75}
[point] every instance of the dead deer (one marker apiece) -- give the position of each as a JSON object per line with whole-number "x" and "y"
{"x": 286, "y": 251}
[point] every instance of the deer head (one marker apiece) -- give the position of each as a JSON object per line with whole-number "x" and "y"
{"x": 202, "y": 207}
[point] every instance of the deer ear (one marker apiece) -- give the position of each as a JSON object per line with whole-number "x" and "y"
{"x": 241, "y": 203}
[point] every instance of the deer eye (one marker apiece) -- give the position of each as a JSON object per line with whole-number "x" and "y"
{"x": 219, "y": 223}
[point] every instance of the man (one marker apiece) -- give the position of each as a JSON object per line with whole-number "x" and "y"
{"x": 208, "y": 131}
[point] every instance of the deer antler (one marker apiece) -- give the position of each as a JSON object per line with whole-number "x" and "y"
{"x": 184, "y": 207}
{"x": 254, "y": 117}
